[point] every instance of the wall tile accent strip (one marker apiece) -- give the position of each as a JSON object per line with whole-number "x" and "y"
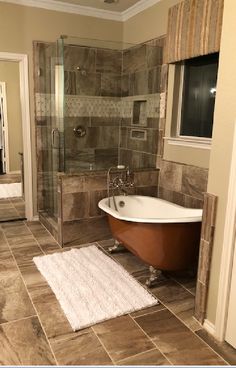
{"x": 78, "y": 106}
{"x": 194, "y": 29}
{"x": 207, "y": 237}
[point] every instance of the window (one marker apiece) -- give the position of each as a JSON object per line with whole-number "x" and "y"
{"x": 197, "y": 100}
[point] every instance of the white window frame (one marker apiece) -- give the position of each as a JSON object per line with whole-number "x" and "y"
{"x": 184, "y": 140}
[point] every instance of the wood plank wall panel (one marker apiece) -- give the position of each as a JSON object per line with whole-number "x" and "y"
{"x": 194, "y": 29}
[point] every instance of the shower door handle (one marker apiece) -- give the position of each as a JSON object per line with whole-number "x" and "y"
{"x": 55, "y": 137}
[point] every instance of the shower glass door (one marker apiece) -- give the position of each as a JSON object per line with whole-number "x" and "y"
{"x": 93, "y": 91}
{"x": 57, "y": 123}
{"x": 51, "y": 123}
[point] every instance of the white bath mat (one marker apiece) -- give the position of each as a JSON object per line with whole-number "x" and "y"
{"x": 10, "y": 190}
{"x": 91, "y": 287}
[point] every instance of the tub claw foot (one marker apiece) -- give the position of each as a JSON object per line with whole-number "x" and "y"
{"x": 154, "y": 276}
{"x": 117, "y": 247}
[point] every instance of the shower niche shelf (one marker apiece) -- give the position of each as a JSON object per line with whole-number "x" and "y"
{"x": 140, "y": 113}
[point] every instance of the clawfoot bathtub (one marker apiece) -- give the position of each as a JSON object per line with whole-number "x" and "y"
{"x": 164, "y": 235}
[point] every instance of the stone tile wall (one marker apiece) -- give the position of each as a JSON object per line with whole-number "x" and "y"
{"x": 207, "y": 237}
{"x": 142, "y": 79}
{"x": 81, "y": 219}
{"x": 97, "y": 73}
{"x": 182, "y": 184}
{"x": 92, "y": 71}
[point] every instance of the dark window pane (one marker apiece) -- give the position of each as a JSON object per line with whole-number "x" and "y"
{"x": 199, "y": 92}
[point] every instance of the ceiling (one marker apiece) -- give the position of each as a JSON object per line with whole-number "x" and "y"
{"x": 121, "y": 10}
{"x": 119, "y": 6}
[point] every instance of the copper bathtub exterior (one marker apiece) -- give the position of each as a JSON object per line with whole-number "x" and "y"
{"x": 165, "y": 246}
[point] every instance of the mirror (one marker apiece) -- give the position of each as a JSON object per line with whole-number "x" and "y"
{"x": 12, "y": 205}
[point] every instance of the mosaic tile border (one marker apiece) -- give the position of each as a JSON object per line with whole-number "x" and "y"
{"x": 77, "y": 106}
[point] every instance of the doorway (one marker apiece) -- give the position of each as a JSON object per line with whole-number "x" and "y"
{"x": 11, "y": 143}
{"x": 15, "y": 139}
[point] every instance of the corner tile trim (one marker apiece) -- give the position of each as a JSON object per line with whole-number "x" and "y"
{"x": 205, "y": 255}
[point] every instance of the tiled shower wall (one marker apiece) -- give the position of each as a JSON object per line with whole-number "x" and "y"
{"x": 97, "y": 73}
{"x": 143, "y": 80}
{"x": 101, "y": 86}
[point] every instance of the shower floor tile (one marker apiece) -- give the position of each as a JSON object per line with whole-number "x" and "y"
{"x": 38, "y": 333}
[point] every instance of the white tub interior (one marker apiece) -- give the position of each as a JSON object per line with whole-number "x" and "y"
{"x": 149, "y": 210}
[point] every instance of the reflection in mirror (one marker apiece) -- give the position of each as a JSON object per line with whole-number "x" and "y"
{"x": 12, "y": 206}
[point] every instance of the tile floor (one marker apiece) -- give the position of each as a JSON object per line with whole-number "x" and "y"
{"x": 34, "y": 330}
{"x": 11, "y": 208}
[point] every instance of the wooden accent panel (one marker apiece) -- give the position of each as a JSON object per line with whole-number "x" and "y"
{"x": 194, "y": 29}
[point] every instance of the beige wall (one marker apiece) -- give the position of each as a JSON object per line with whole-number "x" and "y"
{"x": 225, "y": 118}
{"x": 9, "y": 73}
{"x": 20, "y": 25}
{"x": 149, "y": 24}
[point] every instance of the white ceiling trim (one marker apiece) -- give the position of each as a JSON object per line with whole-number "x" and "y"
{"x": 68, "y": 8}
{"x": 85, "y": 10}
{"x": 137, "y": 8}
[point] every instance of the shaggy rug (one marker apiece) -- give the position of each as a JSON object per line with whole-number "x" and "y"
{"x": 91, "y": 287}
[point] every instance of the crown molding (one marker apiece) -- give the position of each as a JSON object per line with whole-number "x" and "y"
{"x": 86, "y": 10}
{"x": 68, "y": 8}
{"x": 137, "y": 8}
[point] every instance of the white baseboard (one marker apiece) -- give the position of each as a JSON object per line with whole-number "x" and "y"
{"x": 209, "y": 327}
{"x": 35, "y": 218}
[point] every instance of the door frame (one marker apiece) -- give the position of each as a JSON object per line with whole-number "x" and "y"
{"x": 22, "y": 59}
{"x": 227, "y": 252}
{"x": 6, "y": 148}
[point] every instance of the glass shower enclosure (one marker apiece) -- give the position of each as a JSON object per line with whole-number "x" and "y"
{"x": 97, "y": 106}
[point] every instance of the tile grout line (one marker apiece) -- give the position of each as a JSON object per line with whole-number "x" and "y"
{"x": 136, "y": 355}
{"x": 145, "y": 314}
{"x": 66, "y": 337}
{"x": 150, "y": 340}
{"x": 212, "y": 348}
{"x": 114, "y": 363}
{"x": 25, "y": 222}
{"x": 35, "y": 238}
{"x": 49, "y": 344}
{"x": 17, "y": 320}
{"x": 184, "y": 287}
{"x": 17, "y": 209}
